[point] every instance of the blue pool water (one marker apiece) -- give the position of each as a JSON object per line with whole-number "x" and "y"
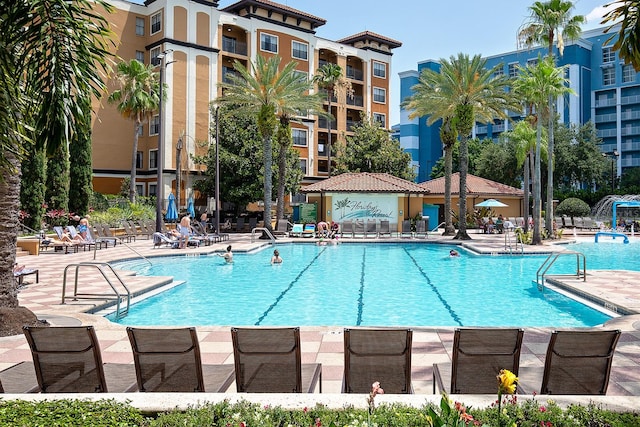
{"x": 363, "y": 284}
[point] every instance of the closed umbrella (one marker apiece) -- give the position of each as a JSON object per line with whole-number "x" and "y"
{"x": 491, "y": 203}
{"x": 172, "y": 212}
{"x": 190, "y": 207}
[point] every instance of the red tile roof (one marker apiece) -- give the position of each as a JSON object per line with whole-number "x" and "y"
{"x": 370, "y": 35}
{"x": 277, "y": 7}
{"x": 365, "y": 182}
{"x": 475, "y": 185}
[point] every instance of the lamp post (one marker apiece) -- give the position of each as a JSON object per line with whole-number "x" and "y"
{"x": 160, "y": 60}
{"x": 178, "y": 172}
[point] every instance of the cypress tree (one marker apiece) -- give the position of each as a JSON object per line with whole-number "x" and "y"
{"x": 80, "y": 172}
{"x": 32, "y": 186}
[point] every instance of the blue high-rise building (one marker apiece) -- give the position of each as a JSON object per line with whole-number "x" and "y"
{"x": 607, "y": 92}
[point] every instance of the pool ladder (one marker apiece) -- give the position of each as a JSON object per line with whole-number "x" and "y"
{"x": 552, "y": 258}
{"x": 263, "y": 229}
{"x": 120, "y": 297}
{"x": 510, "y": 240}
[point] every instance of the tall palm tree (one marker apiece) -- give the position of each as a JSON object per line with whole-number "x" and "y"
{"x": 264, "y": 90}
{"x": 137, "y": 99}
{"x": 628, "y": 41}
{"x": 329, "y": 77}
{"x": 551, "y": 22}
{"x": 472, "y": 93}
{"x": 299, "y": 101}
{"x": 429, "y": 100}
{"x": 537, "y": 84}
{"x": 52, "y": 56}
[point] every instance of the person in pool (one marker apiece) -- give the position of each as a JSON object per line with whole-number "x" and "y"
{"x": 275, "y": 259}
{"x": 454, "y": 253}
{"x": 228, "y": 255}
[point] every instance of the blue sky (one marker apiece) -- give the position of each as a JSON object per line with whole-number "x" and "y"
{"x": 429, "y": 29}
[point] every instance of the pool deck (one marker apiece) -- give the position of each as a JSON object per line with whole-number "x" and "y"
{"x": 617, "y": 290}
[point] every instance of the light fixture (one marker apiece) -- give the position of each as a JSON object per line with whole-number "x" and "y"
{"x": 160, "y": 60}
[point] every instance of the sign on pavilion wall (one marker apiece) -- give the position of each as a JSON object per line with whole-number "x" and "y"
{"x": 364, "y": 206}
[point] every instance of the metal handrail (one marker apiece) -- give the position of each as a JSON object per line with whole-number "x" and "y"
{"x": 266, "y": 230}
{"x": 438, "y": 226}
{"x": 552, "y": 258}
{"x": 99, "y": 266}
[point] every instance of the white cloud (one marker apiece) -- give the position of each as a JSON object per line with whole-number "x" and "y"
{"x": 594, "y": 18}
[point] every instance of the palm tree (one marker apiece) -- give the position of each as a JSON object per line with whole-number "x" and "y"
{"x": 137, "y": 99}
{"x": 537, "y": 84}
{"x": 628, "y": 41}
{"x": 298, "y": 102}
{"x": 428, "y": 99}
{"x": 51, "y": 61}
{"x": 524, "y": 136}
{"x": 469, "y": 93}
{"x": 263, "y": 90}
{"x": 329, "y": 77}
{"x": 551, "y": 22}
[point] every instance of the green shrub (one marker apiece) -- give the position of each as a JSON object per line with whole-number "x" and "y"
{"x": 573, "y": 207}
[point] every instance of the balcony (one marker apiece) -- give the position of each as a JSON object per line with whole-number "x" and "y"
{"x": 498, "y": 128}
{"x": 355, "y": 74}
{"x": 226, "y": 72}
{"x": 324, "y": 124}
{"x": 355, "y": 100}
{"x": 607, "y": 133}
{"x": 630, "y": 130}
{"x": 481, "y": 129}
{"x": 233, "y": 46}
{"x": 630, "y": 115}
{"x": 352, "y": 123}
{"x": 607, "y": 102}
{"x": 633, "y": 99}
{"x": 601, "y": 118}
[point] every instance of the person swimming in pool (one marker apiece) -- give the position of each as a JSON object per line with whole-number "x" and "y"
{"x": 454, "y": 253}
{"x": 228, "y": 255}
{"x": 276, "y": 259}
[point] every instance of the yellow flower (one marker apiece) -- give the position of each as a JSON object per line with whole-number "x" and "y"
{"x": 507, "y": 382}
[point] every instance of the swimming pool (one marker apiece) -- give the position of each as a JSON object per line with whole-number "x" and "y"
{"x": 358, "y": 285}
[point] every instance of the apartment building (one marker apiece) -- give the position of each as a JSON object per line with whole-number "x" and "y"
{"x": 607, "y": 92}
{"x": 200, "y": 42}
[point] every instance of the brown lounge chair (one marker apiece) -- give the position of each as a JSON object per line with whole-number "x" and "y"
{"x": 382, "y": 355}
{"x": 68, "y": 360}
{"x": 268, "y": 360}
{"x": 168, "y": 360}
{"x": 477, "y": 358}
{"x": 579, "y": 362}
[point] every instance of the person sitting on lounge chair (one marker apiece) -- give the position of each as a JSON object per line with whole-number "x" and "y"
{"x": 83, "y": 229}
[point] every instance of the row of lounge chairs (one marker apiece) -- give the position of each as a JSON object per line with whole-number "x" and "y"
{"x": 68, "y": 359}
{"x": 197, "y": 236}
{"x": 581, "y": 223}
{"x": 373, "y": 228}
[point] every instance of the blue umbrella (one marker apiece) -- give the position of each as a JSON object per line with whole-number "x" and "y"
{"x": 190, "y": 207}
{"x": 172, "y": 212}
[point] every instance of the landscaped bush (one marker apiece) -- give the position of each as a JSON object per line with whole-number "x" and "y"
{"x": 531, "y": 413}
{"x": 573, "y": 207}
{"x": 115, "y": 215}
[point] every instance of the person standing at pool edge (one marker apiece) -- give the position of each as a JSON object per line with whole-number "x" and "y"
{"x": 228, "y": 255}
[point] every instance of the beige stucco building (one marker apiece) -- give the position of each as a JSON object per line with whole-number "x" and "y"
{"x": 203, "y": 41}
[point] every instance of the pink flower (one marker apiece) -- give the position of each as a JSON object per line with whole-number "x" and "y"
{"x": 376, "y": 389}
{"x": 543, "y": 409}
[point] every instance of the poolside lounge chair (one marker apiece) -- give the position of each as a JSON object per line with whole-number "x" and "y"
{"x": 168, "y": 360}
{"x": 579, "y": 362}
{"x": 382, "y": 355}
{"x": 282, "y": 228}
{"x": 253, "y": 223}
{"x": 371, "y": 229}
{"x": 346, "y": 228}
{"x": 240, "y": 224}
{"x": 477, "y": 358}
{"x": 309, "y": 230}
{"x": 160, "y": 239}
{"x": 104, "y": 233}
{"x": 86, "y": 243}
{"x": 60, "y": 245}
{"x": 19, "y": 275}
{"x": 199, "y": 231}
{"x": 128, "y": 231}
{"x": 384, "y": 229}
{"x": 297, "y": 230}
{"x": 578, "y": 223}
{"x": 268, "y": 360}
{"x": 421, "y": 228}
{"x": 358, "y": 228}
{"x": 139, "y": 231}
{"x": 406, "y": 228}
{"x": 67, "y": 360}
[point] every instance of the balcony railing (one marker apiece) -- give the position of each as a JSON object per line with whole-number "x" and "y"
{"x": 355, "y": 74}
{"x": 630, "y": 115}
{"x": 605, "y": 133}
{"x": 482, "y": 129}
{"x": 324, "y": 124}
{"x": 352, "y": 123}
{"x": 355, "y": 100}
{"x": 605, "y": 102}
{"x": 633, "y": 99}
{"x": 234, "y": 46}
{"x": 632, "y": 130}
{"x": 601, "y": 118}
{"x": 498, "y": 128}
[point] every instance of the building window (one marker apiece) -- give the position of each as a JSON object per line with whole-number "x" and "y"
{"x": 139, "y": 190}
{"x": 380, "y": 69}
{"x": 268, "y": 43}
{"x": 299, "y": 137}
{"x": 379, "y": 95}
{"x": 302, "y": 75}
{"x": 153, "y": 190}
{"x": 140, "y": 56}
{"x": 499, "y": 72}
{"x": 139, "y": 160}
{"x": 153, "y": 159}
{"x": 608, "y": 76}
{"x": 154, "y": 125}
{"x": 141, "y": 130}
{"x": 380, "y": 118}
{"x": 513, "y": 70}
{"x": 153, "y": 54}
{"x": 156, "y": 23}
{"x": 139, "y": 26}
{"x": 628, "y": 73}
{"x": 299, "y": 50}
{"x": 303, "y": 166}
{"x": 608, "y": 55}
{"x": 532, "y": 62}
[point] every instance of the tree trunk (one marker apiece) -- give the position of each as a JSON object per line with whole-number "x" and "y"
{"x": 527, "y": 188}
{"x": 282, "y": 178}
{"x": 132, "y": 184}
{"x": 449, "y": 230}
{"x": 268, "y": 180}
{"x": 549, "y": 208}
{"x": 536, "y": 189}
{"x": 10, "y": 206}
{"x": 330, "y": 120}
{"x": 464, "y": 168}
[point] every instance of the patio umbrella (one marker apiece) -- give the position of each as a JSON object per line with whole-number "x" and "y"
{"x": 190, "y": 207}
{"x": 491, "y": 203}
{"x": 172, "y": 212}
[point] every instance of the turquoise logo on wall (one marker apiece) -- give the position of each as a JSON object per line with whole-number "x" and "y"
{"x": 356, "y": 209}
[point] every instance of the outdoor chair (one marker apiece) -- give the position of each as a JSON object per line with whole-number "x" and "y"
{"x": 371, "y": 228}
{"x": 579, "y": 362}
{"x": 240, "y": 224}
{"x": 309, "y": 230}
{"x": 68, "y": 360}
{"x": 129, "y": 232}
{"x": 268, "y": 360}
{"x": 282, "y": 228}
{"x": 477, "y": 358}
{"x": 421, "y": 228}
{"x": 346, "y": 228}
{"x": 104, "y": 233}
{"x": 87, "y": 243}
{"x": 253, "y": 223}
{"x": 168, "y": 360}
{"x": 62, "y": 246}
{"x": 358, "y": 228}
{"x": 19, "y": 275}
{"x": 297, "y": 230}
{"x": 132, "y": 228}
{"x": 382, "y": 355}
{"x": 384, "y": 229}
{"x": 406, "y": 228}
